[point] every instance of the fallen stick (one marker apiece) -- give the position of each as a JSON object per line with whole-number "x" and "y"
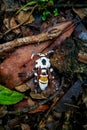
{"x": 51, "y": 33}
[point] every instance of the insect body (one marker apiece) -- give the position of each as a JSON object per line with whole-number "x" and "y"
{"x": 42, "y": 71}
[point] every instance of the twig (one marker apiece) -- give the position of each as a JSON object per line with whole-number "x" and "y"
{"x": 51, "y": 33}
{"x": 42, "y": 122}
{"x": 71, "y": 105}
{"x": 56, "y": 98}
{"x": 20, "y": 23}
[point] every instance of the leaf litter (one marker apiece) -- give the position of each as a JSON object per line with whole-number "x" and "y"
{"x": 64, "y": 31}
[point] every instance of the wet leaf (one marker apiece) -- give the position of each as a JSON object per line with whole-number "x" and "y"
{"x": 37, "y": 95}
{"x": 69, "y": 97}
{"x": 41, "y": 108}
{"x": 9, "y": 97}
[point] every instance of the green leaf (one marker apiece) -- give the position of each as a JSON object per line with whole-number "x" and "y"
{"x": 43, "y": 0}
{"x": 55, "y": 12}
{"x": 45, "y": 14}
{"x": 43, "y": 18}
{"x": 9, "y": 97}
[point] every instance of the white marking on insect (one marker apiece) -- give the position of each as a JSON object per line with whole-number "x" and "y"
{"x": 35, "y": 74}
{"x": 35, "y": 81}
{"x": 51, "y": 69}
{"x": 43, "y": 64}
{"x": 43, "y": 86}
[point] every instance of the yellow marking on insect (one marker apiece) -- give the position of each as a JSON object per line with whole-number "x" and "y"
{"x": 43, "y": 78}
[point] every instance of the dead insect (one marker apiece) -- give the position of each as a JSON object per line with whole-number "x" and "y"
{"x": 43, "y": 71}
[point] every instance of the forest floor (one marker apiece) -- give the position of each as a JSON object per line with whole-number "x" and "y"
{"x": 43, "y": 65}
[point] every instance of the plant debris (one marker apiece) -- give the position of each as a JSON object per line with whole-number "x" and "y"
{"x": 43, "y": 65}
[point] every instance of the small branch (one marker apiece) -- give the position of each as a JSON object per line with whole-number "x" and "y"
{"x": 52, "y": 33}
{"x": 71, "y": 105}
{"x": 20, "y": 23}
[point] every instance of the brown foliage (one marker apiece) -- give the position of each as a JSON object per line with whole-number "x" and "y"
{"x": 20, "y": 60}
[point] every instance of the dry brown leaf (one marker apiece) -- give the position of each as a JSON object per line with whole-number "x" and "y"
{"x": 40, "y": 108}
{"x": 81, "y": 12}
{"x": 31, "y": 102}
{"x": 23, "y": 16}
{"x": 25, "y": 127}
{"x": 22, "y": 88}
{"x": 82, "y": 57}
{"x": 11, "y": 24}
{"x": 37, "y": 95}
{"x": 26, "y": 86}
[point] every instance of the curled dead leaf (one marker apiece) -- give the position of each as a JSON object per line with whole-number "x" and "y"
{"x": 37, "y": 95}
{"x": 25, "y": 16}
{"x": 11, "y": 24}
{"x": 22, "y": 88}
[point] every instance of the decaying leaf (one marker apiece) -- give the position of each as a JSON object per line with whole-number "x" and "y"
{"x": 22, "y": 88}
{"x": 11, "y": 24}
{"x": 21, "y": 105}
{"x": 25, "y": 126}
{"x": 14, "y": 122}
{"x": 20, "y": 61}
{"x": 69, "y": 97}
{"x": 82, "y": 57}
{"x": 81, "y": 32}
{"x": 41, "y": 108}
{"x": 23, "y": 16}
{"x": 37, "y": 96}
{"x": 24, "y": 104}
{"x": 81, "y": 12}
{"x": 9, "y": 97}
{"x": 3, "y": 111}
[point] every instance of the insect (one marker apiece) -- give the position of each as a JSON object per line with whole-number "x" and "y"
{"x": 43, "y": 71}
